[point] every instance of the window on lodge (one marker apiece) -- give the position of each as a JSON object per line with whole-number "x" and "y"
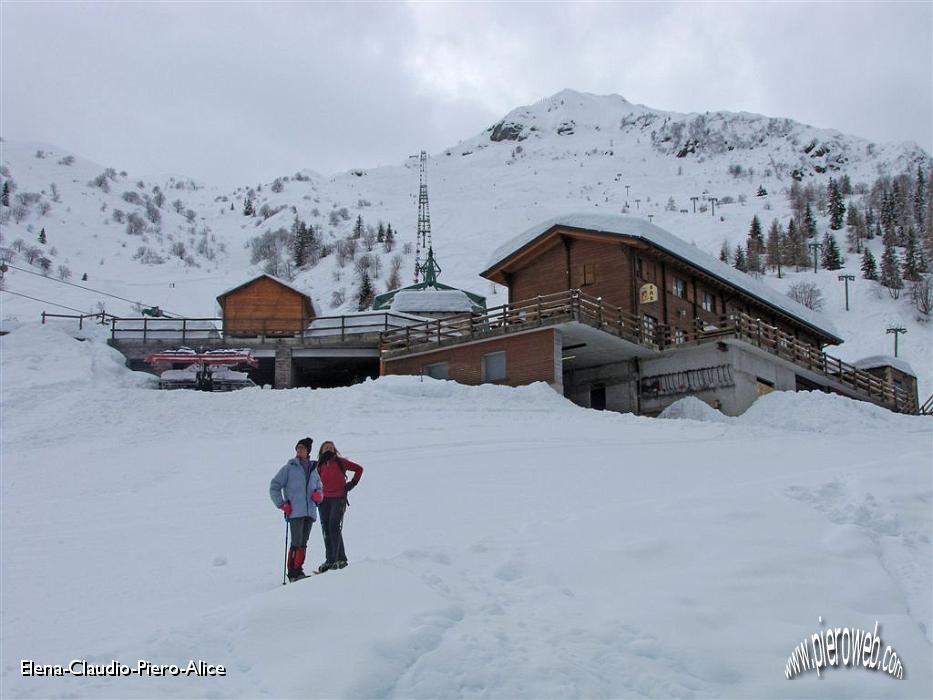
{"x": 494, "y": 367}
{"x": 649, "y": 328}
{"x": 589, "y": 274}
{"x": 438, "y": 370}
{"x": 680, "y": 288}
{"x": 709, "y": 302}
{"x": 644, "y": 269}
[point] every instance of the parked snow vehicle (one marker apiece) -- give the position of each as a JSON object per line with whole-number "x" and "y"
{"x": 212, "y": 370}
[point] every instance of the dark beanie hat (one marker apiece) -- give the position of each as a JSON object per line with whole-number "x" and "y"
{"x": 307, "y": 442}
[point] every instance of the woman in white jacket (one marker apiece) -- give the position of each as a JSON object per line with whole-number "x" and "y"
{"x": 296, "y": 490}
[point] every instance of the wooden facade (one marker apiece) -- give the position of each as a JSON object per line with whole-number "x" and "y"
{"x": 623, "y": 271}
{"x": 265, "y": 306}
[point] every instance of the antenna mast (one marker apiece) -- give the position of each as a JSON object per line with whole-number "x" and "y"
{"x": 423, "y": 242}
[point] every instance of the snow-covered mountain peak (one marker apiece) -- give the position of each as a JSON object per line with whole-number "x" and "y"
{"x": 579, "y": 122}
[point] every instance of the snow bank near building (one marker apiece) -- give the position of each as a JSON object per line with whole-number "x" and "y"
{"x": 814, "y": 411}
{"x": 38, "y": 356}
{"x": 692, "y": 408}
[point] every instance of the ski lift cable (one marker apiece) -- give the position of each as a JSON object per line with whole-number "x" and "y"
{"x": 50, "y": 303}
{"x": 79, "y": 286}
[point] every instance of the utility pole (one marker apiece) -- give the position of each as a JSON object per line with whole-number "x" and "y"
{"x": 815, "y": 247}
{"x": 713, "y": 201}
{"x": 626, "y": 191}
{"x": 847, "y": 279}
{"x": 423, "y": 237}
{"x": 896, "y": 330}
{"x": 694, "y": 200}
{"x": 637, "y": 203}
{"x": 650, "y": 218}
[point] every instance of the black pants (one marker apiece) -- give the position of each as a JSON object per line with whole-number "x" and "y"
{"x": 300, "y": 531}
{"x": 331, "y": 511}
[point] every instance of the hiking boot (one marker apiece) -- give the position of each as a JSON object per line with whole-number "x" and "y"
{"x": 341, "y": 564}
{"x": 326, "y": 566}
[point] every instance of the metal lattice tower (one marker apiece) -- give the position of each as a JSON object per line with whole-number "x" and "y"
{"x": 423, "y": 242}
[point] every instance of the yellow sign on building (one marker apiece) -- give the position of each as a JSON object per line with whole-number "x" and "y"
{"x": 648, "y": 293}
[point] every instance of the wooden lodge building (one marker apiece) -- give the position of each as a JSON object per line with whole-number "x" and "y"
{"x": 616, "y": 313}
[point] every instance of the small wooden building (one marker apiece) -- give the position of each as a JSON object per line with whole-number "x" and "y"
{"x": 898, "y": 373}
{"x": 265, "y": 305}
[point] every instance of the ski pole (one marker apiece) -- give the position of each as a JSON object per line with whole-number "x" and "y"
{"x": 285, "y": 569}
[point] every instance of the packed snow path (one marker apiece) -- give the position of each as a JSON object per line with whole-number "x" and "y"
{"x": 502, "y": 543}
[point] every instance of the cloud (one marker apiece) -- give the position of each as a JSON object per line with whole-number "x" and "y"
{"x": 244, "y": 92}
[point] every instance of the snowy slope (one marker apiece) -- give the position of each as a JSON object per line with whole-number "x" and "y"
{"x": 503, "y": 543}
{"x": 569, "y": 152}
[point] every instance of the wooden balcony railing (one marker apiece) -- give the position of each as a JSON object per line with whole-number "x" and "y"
{"x": 207, "y": 331}
{"x": 574, "y": 305}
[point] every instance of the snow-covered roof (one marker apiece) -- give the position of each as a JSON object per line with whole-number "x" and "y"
{"x": 634, "y": 227}
{"x": 271, "y": 277}
{"x": 885, "y": 361}
{"x": 432, "y": 301}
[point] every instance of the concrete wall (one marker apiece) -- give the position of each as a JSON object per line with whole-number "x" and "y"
{"x": 618, "y": 378}
{"x": 747, "y": 368}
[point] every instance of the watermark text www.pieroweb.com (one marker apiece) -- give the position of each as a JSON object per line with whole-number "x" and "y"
{"x": 843, "y": 646}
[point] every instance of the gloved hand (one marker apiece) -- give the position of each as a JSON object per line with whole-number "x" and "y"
{"x": 286, "y": 507}
{"x": 317, "y": 496}
{"x": 351, "y": 485}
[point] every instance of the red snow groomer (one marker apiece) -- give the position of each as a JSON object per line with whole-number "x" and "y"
{"x": 211, "y": 370}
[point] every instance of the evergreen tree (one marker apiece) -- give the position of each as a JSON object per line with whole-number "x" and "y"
{"x": 869, "y": 223}
{"x": 889, "y": 236}
{"x": 248, "y": 205}
{"x": 762, "y": 192}
{"x": 887, "y": 218}
{"x": 358, "y": 227}
{"x": 809, "y": 222}
{"x": 725, "y": 254}
{"x": 42, "y": 236}
{"x": 869, "y": 266}
{"x": 831, "y": 258}
{"x": 774, "y": 246}
{"x": 5, "y": 194}
{"x": 366, "y": 293}
{"x": 755, "y": 245}
{"x": 299, "y": 243}
{"x": 845, "y": 185}
{"x": 389, "y": 243}
{"x": 855, "y": 230}
{"x": 740, "y": 262}
{"x": 891, "y": 272}
{"x": 796, "y": 248}
{"x": 915, "y": 263}
{"x": 928, "y": 225}
{"x": 84, "y": 277}
{"x": 381, "y": 233}
{"x": 920, "y": 197}
{"x": 837, "y": 207}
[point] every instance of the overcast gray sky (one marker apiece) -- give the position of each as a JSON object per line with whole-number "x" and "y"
{"x": 242, "y": 92}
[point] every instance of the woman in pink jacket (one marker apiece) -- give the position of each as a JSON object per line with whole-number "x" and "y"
{"x": 333, "y": 469}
